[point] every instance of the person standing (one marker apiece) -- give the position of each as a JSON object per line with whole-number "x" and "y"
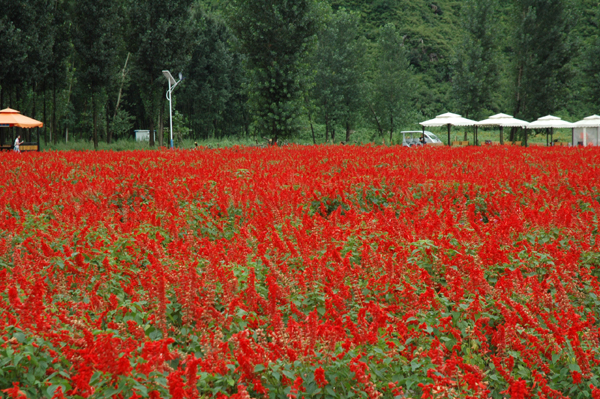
{"x": 18, "y": 142}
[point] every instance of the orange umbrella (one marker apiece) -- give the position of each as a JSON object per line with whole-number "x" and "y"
{"x": 10, "y": 117}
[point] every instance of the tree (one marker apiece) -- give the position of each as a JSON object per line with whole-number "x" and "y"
{"x": 543, "y": 50}
{"x": 393, "y": 82}
{"x": 587, "y": 100}
{"x": 160, "y": 38}
{"x": 475, "y": 74}
{"x": 276, "y": 36}
{"x": 591, "y": 81}
{"x": 26, "y": 39}
{"x": 95, "y": 22}
{"x": 12, "y": 52}
{"x": 339, "y": 60}
{"x": 57, "y": 70}
{"x": 213, "y": 91}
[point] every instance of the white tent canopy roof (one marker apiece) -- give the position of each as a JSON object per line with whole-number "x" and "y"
{"x": 502, "y": 120}
{"x": 590, "y": 121}
{"x": 550, "y": 121}
{"x": 448, "y": 119}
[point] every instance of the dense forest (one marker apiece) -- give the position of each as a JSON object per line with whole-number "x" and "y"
{"x": 91, "y": 70}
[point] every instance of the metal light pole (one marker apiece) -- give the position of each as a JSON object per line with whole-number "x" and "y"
{"x": 172, "y": 85}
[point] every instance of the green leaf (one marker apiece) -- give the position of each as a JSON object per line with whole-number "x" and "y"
{"x": 52, "y": 389}
{"x": 20, "y": 337}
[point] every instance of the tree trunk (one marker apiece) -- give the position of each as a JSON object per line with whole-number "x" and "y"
{"x": 274, "y": 133}
{"x": 123, "y": 74}
{"x": 326, "y": 127}
{"x": 161, "y": 123}
{"x": 12, "y": 105}
{"x": 107, "y": 122}
{"x": 152, "y": 139}
{"x": 95, "y": 121}
{"x": 33, "y": 113}
{"x": 53, "y": 129}
{"x": 518, "y": 103}
{"x": 347, "y": 131}
{"x": 66, "y": 107}
{"x": 379, "y": 127}
{"x": 312, "y": 129}
{"x": 246, "y": 123}
{"x": 391, "y": 128}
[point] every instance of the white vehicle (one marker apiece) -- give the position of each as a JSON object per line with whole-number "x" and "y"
{"x": 412, "y": 138}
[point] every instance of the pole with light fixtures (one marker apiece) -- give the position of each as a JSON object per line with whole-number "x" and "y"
{"x": 172, "y": 85}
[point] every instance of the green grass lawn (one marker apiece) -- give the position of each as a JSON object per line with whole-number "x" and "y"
{"x": 358, "y": 136}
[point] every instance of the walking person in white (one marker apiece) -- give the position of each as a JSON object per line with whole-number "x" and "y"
{"x": 18, "y": 142}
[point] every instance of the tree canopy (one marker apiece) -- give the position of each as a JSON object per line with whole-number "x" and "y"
{"x": 270, "y": 69}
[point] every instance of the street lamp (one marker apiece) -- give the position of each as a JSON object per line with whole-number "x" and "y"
{"x": 172, "y": 85}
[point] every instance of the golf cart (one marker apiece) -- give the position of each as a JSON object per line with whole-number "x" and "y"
{"x": 411, "y": 138}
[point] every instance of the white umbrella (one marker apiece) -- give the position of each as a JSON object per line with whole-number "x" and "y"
{"x": 590, "y": 121}
{"x": 550, "y": 122}
{"x": 448, "y": 119}
{"x": 502, "y": 120}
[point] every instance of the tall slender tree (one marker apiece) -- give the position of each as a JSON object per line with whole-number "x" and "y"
{"x": 276, "y": 36}
{"x": 543, "y": 49}
{"x": 94, "y": 23}
{"x": 339, "y": 81}
{"x": 392, "y": 90}
{"x": 160, "y": 38}
{"x": 57, "y": 70}
{"x": 214, "y": 79}
{"x": 475, "y": 73}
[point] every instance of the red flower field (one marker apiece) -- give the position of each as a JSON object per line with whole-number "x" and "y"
{"x": 294, "y": 272}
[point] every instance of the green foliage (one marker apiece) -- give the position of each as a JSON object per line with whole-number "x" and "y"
{"x": 294, "y": 68}
{"x": 393, "y": 83}
{"x": 213, "y": 91}
{"x": 475, "y": 77}
{"x": 339, "y": 63}
{"x": 543, "y": 50}
{"x": 276, "y": 37}
{"x": 122, "y": 122}
{"x": 159, "y": 39}
{"x": 94, "y": 25}
{"x": 27, "y": 360}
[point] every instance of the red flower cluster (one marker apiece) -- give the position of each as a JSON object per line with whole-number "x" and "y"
{"x": 301, "y": 271}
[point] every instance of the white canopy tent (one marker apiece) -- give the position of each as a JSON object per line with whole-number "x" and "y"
{"x": 502, "y": 121}
{"x": 448, "y": 119}
{"x": 588, "y": 129}
{"x": 550, "y": 122}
